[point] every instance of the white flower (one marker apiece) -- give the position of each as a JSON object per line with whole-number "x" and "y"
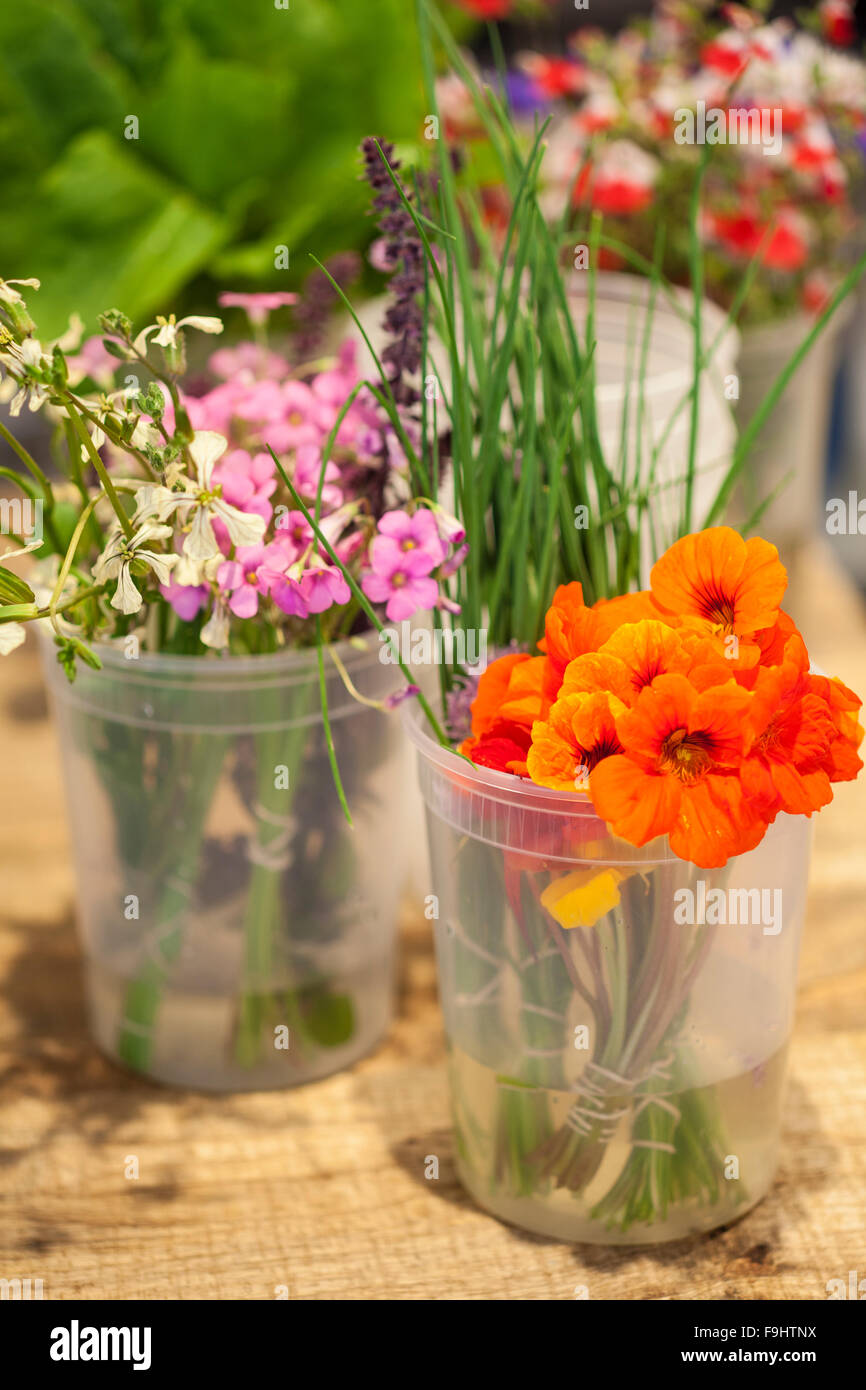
{"x": 215, "y": 632}
{"x": 200, "y": 503}
{"x": 10, "y": 296}
{"x": 117, "y": 559}
{"x": 13, "y": 634}
{"x": 19, "y": 358}
{"x": 11, "y": 637}
{"x": 166, "y": 330}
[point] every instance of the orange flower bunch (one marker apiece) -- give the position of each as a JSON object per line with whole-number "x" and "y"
{"x": 687, "y": 710}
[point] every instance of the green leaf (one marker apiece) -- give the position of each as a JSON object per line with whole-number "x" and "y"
{"x": 54, "y": 82}
{"x": 13, "y": 588}
{"x": 217, "y": 126}
{"x": 113, "y": 231}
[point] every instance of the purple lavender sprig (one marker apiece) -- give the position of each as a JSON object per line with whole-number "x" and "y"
{"x": 317, "y": 300}
{"x": 402, "y": 256}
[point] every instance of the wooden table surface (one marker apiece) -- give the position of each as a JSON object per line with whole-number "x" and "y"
{"x": 322, "y": 1190}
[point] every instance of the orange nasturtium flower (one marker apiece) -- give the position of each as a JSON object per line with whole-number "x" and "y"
{"x": 678, "y": 774}
{"x": 571, "y": 629}
{"x": 579, "y": 732}
{"x": 733, "y": 585}
{"x": 508, "y": 702}
{"x": 690, "y": 708}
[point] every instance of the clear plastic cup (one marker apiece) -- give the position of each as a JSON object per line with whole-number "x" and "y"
{"x": 644, "y": 368}
{"x": 620, "y": 1081}
{"x": 237, "y": 933}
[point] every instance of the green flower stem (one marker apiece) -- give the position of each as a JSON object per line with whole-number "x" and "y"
{"x": 101, "y": 471}
{"x": 264, "y": 915}
{"x": 144, "y": 993}
{"x": 30, "y": 464}
{"x": 359, "y": 594}
{"x": 33, "y": 468}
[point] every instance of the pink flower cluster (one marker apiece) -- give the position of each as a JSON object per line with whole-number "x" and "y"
{"x": 258, "y": 403}
{"x": 406, "y": 553}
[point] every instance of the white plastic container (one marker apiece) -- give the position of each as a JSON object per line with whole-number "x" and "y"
{"x": 619, "y": 1082}
{"x": 635, "y": 334}
{"x": 237, "y": 933}
{"x": 794, "y": 442}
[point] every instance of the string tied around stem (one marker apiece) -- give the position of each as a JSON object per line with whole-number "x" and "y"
{"x": 604, "y": 1097}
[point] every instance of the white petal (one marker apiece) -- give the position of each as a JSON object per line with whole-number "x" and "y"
{"x": 215, "y": 632}
{"x": 244, "y": 528}
{"x": 188, "y": 572}
{"x": 204, "y": 325}
{"x": 160, "y": 564}
{"x": 145, "y": 433}
{"x": 72, "y": 337}
{"x": 156, "y": 501}
{"x": 11, "y": 636}
{"x": 167, "y": 335}
{"x": 108, "y": 565}
{"x": 31, "y": 352}
{"x": 10, "y": 296}
{"x": 205, "y": 449}
{"x": 200, "y": 543}
{"x": 126, "y": 597}
{"x": 148, "y": 532}
{"x": 140, "y": 343}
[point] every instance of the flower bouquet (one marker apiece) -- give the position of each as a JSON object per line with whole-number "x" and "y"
{"x": 618, "y": 952}
{"x": 619, "y": 812}
{"x": 218, "y": 690}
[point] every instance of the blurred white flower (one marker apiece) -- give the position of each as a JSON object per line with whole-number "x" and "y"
{"x": 167, "y": 329}
{"x": 215, "y": 632}
{"x": 121, "y": 552}
{"x": 200, "y": 503}
{"x": 8, "y": 295}
{"x": 13, "y": 634}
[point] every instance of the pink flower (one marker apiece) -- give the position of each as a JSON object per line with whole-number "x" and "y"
{"x": 452, "y": 565}
{"x": 247, "y": 481}
{"x": 350, "y": 547}
{"x": 251, "y": 575}
{"x": 295, "y": 532}
{"x": 397, "y": 581}
{"x": 302, "y": 418}
{"x": 306, "y": 473}
{"x": 187, "y": 600}
{"x": 288, "y": 596}
{"x": 451, "y": 530}
{"x": 401, "y": 535}
{"x": 259, "y": 402}
{"x": 322, "y": 586}
{"x": 256, "y": 306}
{"x": 247, "y": 360}
{"x": 407, "y": 693}
{"x": 93, "y": 361}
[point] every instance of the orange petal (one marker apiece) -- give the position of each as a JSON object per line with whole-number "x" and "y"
{"x": 637, "y": 805}
{"x": 492, "y": 689}
{"x": 715, "y": 822}
{"x": 735, "y": 584}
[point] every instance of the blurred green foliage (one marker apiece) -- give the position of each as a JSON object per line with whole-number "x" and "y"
{"x": 249, "y": 119}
